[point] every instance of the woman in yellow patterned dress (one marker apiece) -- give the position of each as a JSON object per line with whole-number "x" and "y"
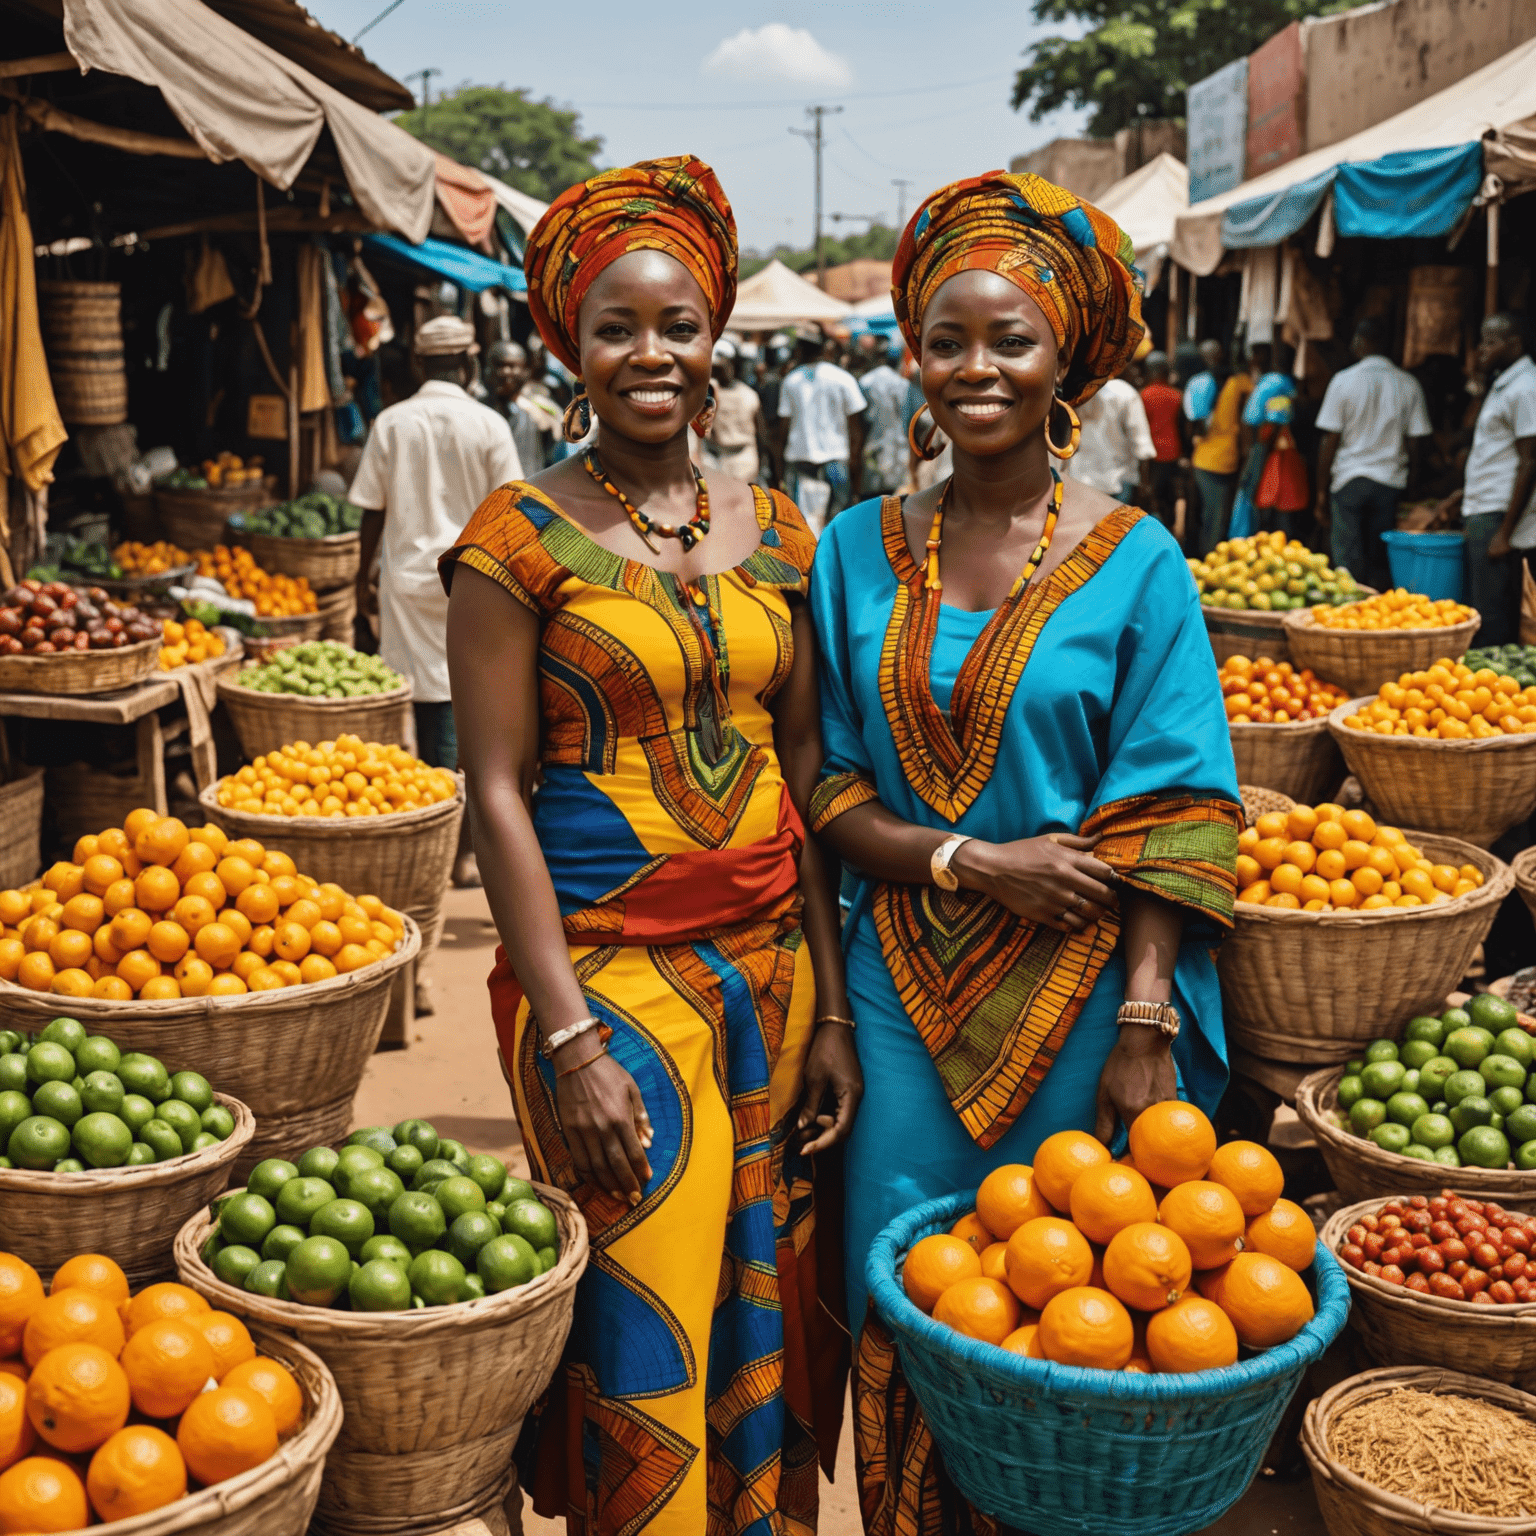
{"x": 634, "y": 683}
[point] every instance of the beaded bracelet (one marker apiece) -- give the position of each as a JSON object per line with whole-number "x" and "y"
{"x": 602, "y": 1050}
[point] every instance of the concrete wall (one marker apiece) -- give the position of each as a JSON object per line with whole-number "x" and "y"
{"x": 1089, "y": 167}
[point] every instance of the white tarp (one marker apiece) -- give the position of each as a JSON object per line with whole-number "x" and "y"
{"x": 1145, "y": 205}
{"x": 777, "y": 297}
{"x": 241, "y": 100}
{"x": 526, "y": 209}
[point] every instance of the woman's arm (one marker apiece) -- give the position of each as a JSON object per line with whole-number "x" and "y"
{"x": 832, "y": 1067}
{"x": 493, "y": 643}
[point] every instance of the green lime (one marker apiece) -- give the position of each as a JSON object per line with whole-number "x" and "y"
{"x": 349, "y": 1222}
{"x": 505, "y": 1262}
{"x": 535, "y": 1222}
{"x": 1417, "y": 1150}
{"x": 1502, "y": 1072}
{"x": 5, "y": 1162}
{"x": 521, "y": 1189}
{"x": 192, "y": 1088}
{"x": 1448, "y": 1157}
{"x": 377, "y": 1189}
{"x": 472, "y": 1289}
{"x": 136, "y": 1112}
{"x": 353, "y": 1159}
{"x": 380, "y": 1285}
{"x": 70, "y": 1033}
{"x": 1354, "y": 1066}
{"x": 1492, "y": 1013}
{"x": 69, "y": 1165}
{"x": 1525, "y": 1158}
{"x": 1391, "y": 1137}
{"x": 1410, "y": 1081}
{"x": 1456, "y": 1018}
{"x": 299, "y": 1199}
{"x": 203, "y": 1140}
{"x": 469, "y": 1234}
{"x": 1351, "y": 1089}
{"x": 490, "y": 1173}
{"x": 38, "y": 1143}
{"x": 1404, "y": 1108}
{"x": 281, "y": 1241}
{"x": 59, "y": 1101}
{"x": 182, "y": 1119}
{"x": 1381, "y": 1079}
{"x": 1433, "y": 1131}
{"x": 234, "y": 1263}
{"x": 217, "y": 1122}
{"x": 1496, "y": 1120}
{"x": 14, "y": 1108}
{"x": 1472, "y": 1111}
{"x": 1418, "y": 1053}
{"x": 405, "y": 1162}
{"x": 454, "y": 1152}
{"x": 213, "y": 1245}
{"x": 269, "y": 1278}
{"x": 1464, "y": 1085}
{"x": 146, "y": 1075}
{"x": 1484, "y": 1147}
{"x": 385, "y": 1247}
{"x": 97, "y": 1054}
{"x": 417, "y": 1220}
{"x": 102, "y": 1093}
{"x": 1466, "y": 1047}
{"x": 419, "y": 1134}
{"x": 1381, "y": 1050}
{"x": 318, "y": 1163}
{"x": 435, "y": 1168}
{"x": 1520, "y": 1124}
{"x": 1506, "y": 1100}
{"x": 436, "y": 1276}
{"x": 1516, "y": 1043}
{"x": 268, "y": 1177}
{"x": 458, "y": 1195}
{"x": 140, "y": 1153}
{"x": 1365, "y": 1115}
{"x": 247, "y": 1219}
{"x": 1425, "y": 1027}
{"x": 375, "y": 1136}
{"x": 1434, "y": 1075}
{"x": 318, "y": 1271}
{"x": 102, "y": 1140}
{"x": 495, "y": 1208}
{"x": 49, "y": 1062}
{"x": 9, "y": 1040}
{"x": 13, "y": 1072}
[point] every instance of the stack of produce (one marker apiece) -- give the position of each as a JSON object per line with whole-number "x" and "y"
{"x": 155, "y": 559}
{"x": 1451, "y": 701}
{"x": 1457, "y": 1089}
{"x": 345, "y": 777}
{"x": 1326, "y": 859}
{"x": 186, "y": 642}
{"x": 315, "y": 515}
{"x": 1090, "y": 1262}
{"x": 156, "y": 911}
{"x": 1516, "y": 661}
{"x": 42, "y": 618}
{"x": 393, "y": 1221}
{"x": 1270, "y": 574}
{"x": 1397, "y": 609}
{"x": 71, "y": 1101}
{"x": 321, "y": 669}
{"x": 275, "y": 596}
{"x": 146, "y": 1395}
{"x": 225, "y": 472}
{"x": 1267, "y": 692}
{"x": 91, "y": 559}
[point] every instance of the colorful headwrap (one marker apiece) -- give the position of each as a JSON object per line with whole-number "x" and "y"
{"x": 674, "y": 205}
{"x": 1076, "y": 263}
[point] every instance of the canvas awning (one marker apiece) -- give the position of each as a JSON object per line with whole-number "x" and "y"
{"x": 1413, "y": 175}
{"x": 469, "y": 269}
{"x": 1145, "y": 205}
{"x": 776, "y": 297}
{"x": 526, "y": 210}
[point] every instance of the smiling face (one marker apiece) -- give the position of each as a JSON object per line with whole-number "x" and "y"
{"x": 645, "y": 346}
{"x": 990, "y": 363}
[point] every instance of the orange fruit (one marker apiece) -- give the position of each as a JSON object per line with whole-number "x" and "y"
{"x": 291, "y": 942}
{"x": 1251, "y": 1172}
{"x": 194, "y": 859}
{"x": 1025, "y": 1340}
{"x": 113, "y": 988}
{"x": 17, "y": 1436}
{"x": 969, "y": 1229}
{"x": 1060, "y": 1159}
{"x": 307, "y": 913}
{"x": 167, "y": 942}
{"x": 35, "y": 972}
{"x": 1209, "y": 1219}
{"x": 167, "y": 1299}
{"x": 1046, "y": 1256}
{"x": 226, "y": 1432}
{"x": 12, "y": 953}
{"x": 1009, "y": 1196}
{"x": 156, "y": 889}
{"x": 235, "y": 873}
{"x": 168, "y": 1363}
{"x": 159, "y": 989}
{"x": 1171, "y": 1142}
{"x": 72, "y": 982}
{"x": 103, "y": 947}
{"x": 1330, "y": 835}
{"x": 135, "y": 822}
{"x": 325, "y": 938}
{"x": 64, "y": 879}
{"x": 994, "y": 1262}
{"x": 933, "y": 1265}
{"x": 138, "y": 1470}
{"x": 1139, "y": 1364}
{"x": 70, "y": 949}
{"x": 237, "y": 922}
{"x": 40, "y": 932}
{"x": 1086, "y": 1326}
{"x": 1358, "y": 825}
{"x": 264, "y": 979}
{"x": 1147, "y": 1266}
{"x": 1267, "y": 1301}
{"x": 83, "y": 913}
{"x": 42, "y": 1493}
{"x": 258, "y": 903}
{"x": 1284, "y": 1232}
{"x": 138, "y": 967}
{"x": 72, "y": 1316}
{"x": 227, "y": 1337}
{"x": 350, "y": 957}
{"x": 213, "y": 836}
{"x": 92, "y": 1272}
{"x": 979, "y": 1308}
{"x": 129, "y": 929}
{"x": 161, "y": 842}
{"x": 217, "y": 945}
{"x": 1109, "y": 1198}
{"x": 117, "y": 896}
{"x": 274, "y": 1382}
{"x": 1192, "y": 1335}
{"x": 226, "y": 985}
{"x": 192, "y": 913}
{"x": 77, "y": 1396}
{"x": 313, "y": 968}
{"x": 192, "y": 974}
{"x": 206, "y": 887}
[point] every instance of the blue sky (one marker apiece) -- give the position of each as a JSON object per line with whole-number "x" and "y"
{"x": 924, "y": 87}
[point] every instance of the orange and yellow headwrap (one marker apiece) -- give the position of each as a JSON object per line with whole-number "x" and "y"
{"x": 1076, "y": 263}
{"x": 673, "y": 205}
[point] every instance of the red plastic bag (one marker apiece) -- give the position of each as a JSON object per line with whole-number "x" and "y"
{"x": 1283, "y": 485}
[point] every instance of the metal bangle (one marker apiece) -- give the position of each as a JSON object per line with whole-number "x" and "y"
{"x": 833, "y": 1018}
{"x": 565, "y": 1036}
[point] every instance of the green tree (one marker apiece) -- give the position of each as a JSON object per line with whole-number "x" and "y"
{"x": 534, "y": 146}
{"x": 1138, "y": 58}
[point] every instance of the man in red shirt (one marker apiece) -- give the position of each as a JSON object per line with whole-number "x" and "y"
{"x": 1165, "y": 416}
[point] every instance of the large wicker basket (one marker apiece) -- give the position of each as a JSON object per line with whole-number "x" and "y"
{"x": 1105, "y": 1453}
{"x": 338, "y": 614}
{"x": 325, "y": 563}
{"x": 1247, "y": 632}
{"x": 1524, "y": 870}
{"x": 265, "y": 721}
{"x": 295, "y": 1056}
{"x": 21, "y": 822}
{"x": 1361, "y": 660}
{"x": 295, "y": 626}
{"x": 1316, "y": 986}
{"x": 80, "y": 672}
{"x": 194, "y": 519}
{"x": 130, "y": 1214}
{"x": 1298, "y": 759}
{"x": 454, "y": 1382}
{"x": 1474, "y": 790}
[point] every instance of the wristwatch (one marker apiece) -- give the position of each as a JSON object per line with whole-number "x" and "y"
{"x": 1159, "y": 1016}
{"x": 938, "y": 863}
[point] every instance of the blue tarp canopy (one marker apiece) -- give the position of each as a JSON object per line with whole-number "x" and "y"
{"x": 469, "y": 269}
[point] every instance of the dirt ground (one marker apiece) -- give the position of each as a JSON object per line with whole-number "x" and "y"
{"x": 449, "y": 1075}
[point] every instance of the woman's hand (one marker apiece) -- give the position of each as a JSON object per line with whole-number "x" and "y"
{"x": 1138, "y": 1074}
{"x": 1052, "y": 880}
{"x": 831, "y": 1069}
{"x": 604, "y": 1122}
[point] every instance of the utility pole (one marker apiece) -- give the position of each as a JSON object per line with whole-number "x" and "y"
{"x": 901, "y": 185}
{"x": 425, "y": 76}
{"x": 817, "y": 140}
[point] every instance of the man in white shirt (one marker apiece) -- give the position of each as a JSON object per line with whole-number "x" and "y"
{"x": 821, "y": 432}
{"x": 1374, "y": 421}
{"x": 1115, "y": 452}
{"x": 885, "y": 441}
{"x": 738, "y": 440}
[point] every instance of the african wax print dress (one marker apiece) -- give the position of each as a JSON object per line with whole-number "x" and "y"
{"x": 687, "y": 1399}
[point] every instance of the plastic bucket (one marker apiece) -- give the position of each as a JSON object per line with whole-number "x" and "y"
{"x": 1430, "y": 563}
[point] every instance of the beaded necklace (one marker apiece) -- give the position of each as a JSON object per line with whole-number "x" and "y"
{"x": 936, "y": 538}
{"x": 688, "y": 535}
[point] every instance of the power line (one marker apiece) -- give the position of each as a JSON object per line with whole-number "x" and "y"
{"x": 393, "y": 6}
{"x": 884, "y": 165}
{"x": 791, "y": 101}
{"x": 817, "y": 140}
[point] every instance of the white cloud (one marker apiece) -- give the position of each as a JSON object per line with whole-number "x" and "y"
{"x": 778, "y": 52}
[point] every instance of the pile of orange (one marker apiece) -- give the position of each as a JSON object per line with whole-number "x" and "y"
{"x": 1397, "y": 609}
{"x": 154, "y": 559}
{"x": 345, "y": 777}
{"x": 1449, "y": 702}
{"x": 107, "y": 1406}
{"x": 155, "y": 910}
{"x": 1163, "y": 1261}
{"x": 1323, "y": 858}
{"x": 185, "y": 643}
{"x": 1269, "y": 692}
{"x": 275, "y": 596}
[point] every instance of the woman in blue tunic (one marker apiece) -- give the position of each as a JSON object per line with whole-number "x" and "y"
{"x": 1029, "y": 777}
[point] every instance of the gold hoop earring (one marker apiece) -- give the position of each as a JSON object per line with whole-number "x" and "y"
{"x": 580, "y": 408}
{"x": 705, "y": 420}
{"x": 931, "y": 448}
{"x": 1077, "y": 429}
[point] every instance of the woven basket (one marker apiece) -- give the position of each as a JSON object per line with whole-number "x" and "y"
{"x": 1316, "y": 986}
{"x": 1247, "y": 632}
{"x": 1353, "y": 1507}
{"x": 1260, "y": 802}
{"x": 484, "y": 1515}
{"x": 1361, "y": 660}
{"x": 80, "y": 672}
{"x": 456, "y": 1381}
{"x": 130, "y": 1214}
{"x": 295, "y": 626}
{"x": 325, "y": 563}
{"x": 1104, "y": 1453}
{"x": 1298, "y": 759}
{"x": 1475, "y": 790}
{"x": 21, "y": 821}
{"x": 338, "y": 610}
{"x": 1524, "y": 869}
{"x": 195, "y": 519}
{"x": 266, "y": 721}
{"x": 1400, "y": 1327}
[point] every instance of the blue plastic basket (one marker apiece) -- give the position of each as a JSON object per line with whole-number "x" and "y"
{"x": 1058, "y": 1448}
{"x": 1430, "y": 563}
